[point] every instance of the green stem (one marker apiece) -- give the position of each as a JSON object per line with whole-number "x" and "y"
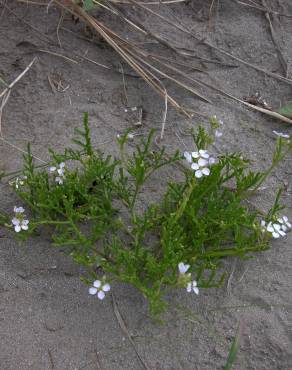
{"x": 186, "y": 197}
{"x": 231, "y": 252}
{"x": 48, "y": 222}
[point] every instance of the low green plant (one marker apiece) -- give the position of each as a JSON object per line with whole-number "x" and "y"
{"x": 90, "y": 204}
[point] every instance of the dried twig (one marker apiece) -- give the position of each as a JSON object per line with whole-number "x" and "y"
{"x": 58, "y": 55}
{"x": 19, "y": 77}
{"x": 259, "y": 109}
{"x": 183, "y": 28}
{"x": 126, "y": 332}
{"x": 265, "y": 10}
{"x": 20, "y": 150}
{"x": 275, "y": 41}
{"x": 6, "y": 92}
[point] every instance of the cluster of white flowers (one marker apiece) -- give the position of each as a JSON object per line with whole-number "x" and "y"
{"x": 100, "y": 287}
{"x": 277, "y": 229}
{"x": 191, "y": 285}
{"x": 60, "y": 173}
{"x": 200, "y": 162}
{"x": 18, "y": 221}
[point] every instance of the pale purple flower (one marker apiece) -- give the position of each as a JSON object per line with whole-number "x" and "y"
{"x": 18, "y": 209}
{"x": 99, "y": 288}
{"x": 18, "y": 221}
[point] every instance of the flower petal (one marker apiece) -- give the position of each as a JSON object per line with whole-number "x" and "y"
{"x": 202, "y": 162}
{"x": 284, "y": 228}
{"x": 195, "y": 166}
{"x": 276, "y": 235}
{"x": 198, "y": 174}
{"x": 189, "y": 287}
{"x": 206, "y": 171}
{"x": 17, "y": 228}
{"x": 212, "y": 160}
{"x": 52, "y": 169}
{"x": 97, "y": 283}
{"x": 281, "y": 232}
{"x": 196, "y": 290}
{"x": 15, "y": 221}
{"x": 204, "y": 153}
{"x": 106, "y": 287}
{"x": 270, "y": 228}
{"x": 92, "y": 290}
{"x": 195, "y": 154}
{"x": 183, "y": 268}
{"x": 101, "y": 295}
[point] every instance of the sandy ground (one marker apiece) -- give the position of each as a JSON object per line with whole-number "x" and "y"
{"x": 47, "y": 318}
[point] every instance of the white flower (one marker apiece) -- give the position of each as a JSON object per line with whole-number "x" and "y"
{"x": 285, "y": 224}
{"x": 275, "y": 230}
{"x": 183, "y": 268}
{"x": 18, "y": 221}
{"x": 192, "y": 287}
{"x": 218, "y": 133}
{"x": 59, "y": 179}
{"x": 281, "y": 134}
{"x": 100, "y": 288}
{"x": 19, "y": 224}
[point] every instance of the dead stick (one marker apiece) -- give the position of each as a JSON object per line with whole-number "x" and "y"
{"x": 18, "y": 78}
{"x": 275, "y": 41}
{"x": 126, "y": 332}
{"x": 187, "y": 31}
